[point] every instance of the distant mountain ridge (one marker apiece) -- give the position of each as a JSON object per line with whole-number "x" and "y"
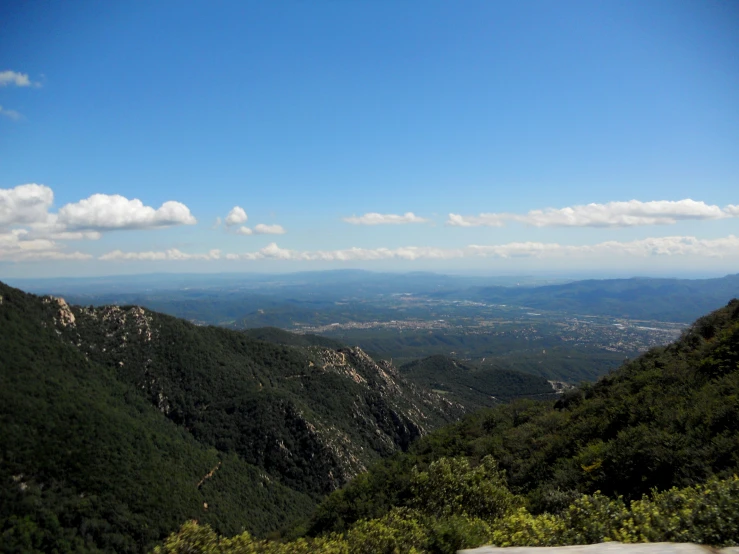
{"x": 678, "y": 300}
{"x": 248, "y": 301}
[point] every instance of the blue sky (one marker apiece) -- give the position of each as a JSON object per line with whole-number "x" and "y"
{"x": 487, "y": 136}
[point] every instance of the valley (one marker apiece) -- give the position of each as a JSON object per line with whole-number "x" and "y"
{"x": 493, "y": 334}
{"x": 310, "y": 428}
{"x": 534, "y": 326}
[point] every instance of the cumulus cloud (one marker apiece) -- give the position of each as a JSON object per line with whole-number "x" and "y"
{"x": 29, "y": 231}
{"x": 373, "y": 218}
{"x": 108, "y": 212}
{"x": 15, "y": 78}
{"x": 25, "y": 204}
{"x": 236, "y": 216}
{"x": 262, "y": 229}
{"x": 612, "y": 214}
{"x": 10, "y": 114}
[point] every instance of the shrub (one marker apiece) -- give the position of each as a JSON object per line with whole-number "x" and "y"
{"x": 401, "y": 530}
{"x": 451, "y": 487}
{"x": 447, "y": 536}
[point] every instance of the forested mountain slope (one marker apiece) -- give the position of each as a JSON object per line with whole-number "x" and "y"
{"x": 472, "y": 386}
{"x": 668, "y": 418}
{"x": 280, "y": 336}
{"x": 87, "y": 464}
{"x": 117, "y": 424}
{"x": 312, "y": 417}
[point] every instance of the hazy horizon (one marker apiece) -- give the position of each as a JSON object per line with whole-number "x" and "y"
{"x": 541, "y": 276}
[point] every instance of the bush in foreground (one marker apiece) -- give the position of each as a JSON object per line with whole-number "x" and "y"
{"x": 458, "y": 506}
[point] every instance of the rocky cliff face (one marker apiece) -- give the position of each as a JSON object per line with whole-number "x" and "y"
{"x": 311, "y": 417}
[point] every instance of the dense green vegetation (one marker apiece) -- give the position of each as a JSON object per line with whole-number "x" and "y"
{"x": 310, "y": 417}
{"x": 117, "y": 424}
{"x": 456, "y": 506}
{"x": 87, "y": 464}
{"x": 472, "y": 386}
{"x": 279, "y": 336}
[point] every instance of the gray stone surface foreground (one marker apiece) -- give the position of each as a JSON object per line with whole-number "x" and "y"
{"x": 607, "y": 548}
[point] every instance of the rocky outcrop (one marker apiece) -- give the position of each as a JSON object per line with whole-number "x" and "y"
{"x": 64, "y": 316}
{"x": 280, "y": 407}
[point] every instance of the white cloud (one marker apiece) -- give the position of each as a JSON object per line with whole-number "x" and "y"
{"x": 108, "y": 212}
{"x": 76, "y": 235}
{"x": 262, "y": 229}
{"x": 384, "y": 219}
{"x": 653, "y": 246}
{"x": 19, "y": 246}
{"x": 24, "y": 214}
{"x": 611, "y": 214}
{"x": 49, "y": 255}
{"x": 14, "y": 78}
{"x": 51, "y": 228}
{"x": 11, "y": 114}
{"x": 236, "y": 216}
{"x": 25, "y": 204}
{"x": 487, "y": 220}
{"x": 669, "y": 246}
{"x": 649, "y": 247}
{"x": 173, "y": 254}
{"x": 29, "y": 231}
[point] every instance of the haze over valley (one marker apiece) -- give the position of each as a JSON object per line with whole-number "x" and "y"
{"x": 578, "y": 330}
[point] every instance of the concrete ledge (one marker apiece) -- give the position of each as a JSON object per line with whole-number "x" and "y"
{"x": 606, "y": 548}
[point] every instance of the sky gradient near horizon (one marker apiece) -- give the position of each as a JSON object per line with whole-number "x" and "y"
{"x": 500, "y": 137}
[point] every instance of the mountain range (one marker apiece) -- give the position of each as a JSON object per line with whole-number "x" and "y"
{"x": 253, "y": 300}
{"x": 118, "y": 423}
{"x": 681, "y": 300}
